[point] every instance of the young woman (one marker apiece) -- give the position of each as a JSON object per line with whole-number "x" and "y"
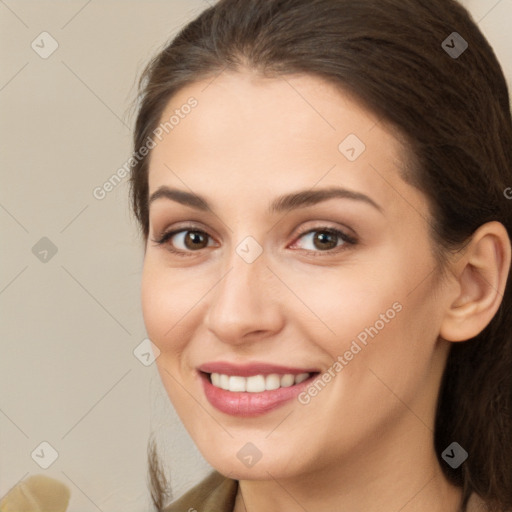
{"x": 323, "y": 188}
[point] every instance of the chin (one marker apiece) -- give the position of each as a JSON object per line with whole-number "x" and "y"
{"x": 265, "y": 468}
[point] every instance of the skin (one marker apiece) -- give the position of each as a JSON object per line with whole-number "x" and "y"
{"x": 365, "y": 443}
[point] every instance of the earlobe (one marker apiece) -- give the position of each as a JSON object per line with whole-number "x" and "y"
{"x": 481, "y": 276}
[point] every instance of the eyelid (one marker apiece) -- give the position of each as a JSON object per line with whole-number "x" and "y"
{"x": 326, "y": 226}
{"x": 167, "y": 234}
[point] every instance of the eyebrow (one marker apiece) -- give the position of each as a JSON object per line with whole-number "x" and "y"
{"x": 281, "y": 204}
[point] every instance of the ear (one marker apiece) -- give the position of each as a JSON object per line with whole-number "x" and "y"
{"x": 480, "y": 278}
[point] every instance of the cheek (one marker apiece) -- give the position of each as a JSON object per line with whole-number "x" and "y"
{"x": 346, "y": 304}
{"x": 397, "y": 333}
{"x": 173, "y": 302}
{"x": 377, "y": 315}
{"x": 164, "y": 302}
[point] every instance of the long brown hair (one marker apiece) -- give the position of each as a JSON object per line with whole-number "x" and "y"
{"x": 454, "y": 113}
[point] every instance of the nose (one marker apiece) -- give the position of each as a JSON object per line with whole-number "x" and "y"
{"x": 245, "y": 305}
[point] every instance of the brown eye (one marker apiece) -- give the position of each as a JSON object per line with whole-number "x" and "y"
{"x": 325, "y": 240}
{"x": 183, "y": 241}
{"x": 195, "y": 240}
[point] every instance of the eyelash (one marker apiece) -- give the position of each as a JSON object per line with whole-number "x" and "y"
{"x": 347, "y": 239}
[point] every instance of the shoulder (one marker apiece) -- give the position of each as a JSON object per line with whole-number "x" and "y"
{"x": 216, "y": 493}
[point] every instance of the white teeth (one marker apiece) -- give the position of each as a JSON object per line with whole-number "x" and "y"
{"x": 237, "y": 383}
{"x": 216, "y": 380}
{"x": 287, "y": 380}
{"x": 256, "y": 383}
{"x": 272, "y": 381}
{"x": 301, "y": 377}
{"x": 224, "y": 382}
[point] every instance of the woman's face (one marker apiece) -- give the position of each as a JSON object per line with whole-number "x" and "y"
{"x": 306, "y": 254}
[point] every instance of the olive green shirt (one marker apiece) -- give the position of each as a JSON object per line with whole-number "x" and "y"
{"x": 216, "y": 493}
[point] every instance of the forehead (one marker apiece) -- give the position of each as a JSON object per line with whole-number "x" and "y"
{"x": 265, "y": 136}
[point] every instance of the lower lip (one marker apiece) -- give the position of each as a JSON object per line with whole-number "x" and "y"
{"x": 250, "y": 404}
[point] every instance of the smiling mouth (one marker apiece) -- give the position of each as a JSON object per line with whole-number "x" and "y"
{"x": 256, "y": 383}
{"x": 254, "y": 394}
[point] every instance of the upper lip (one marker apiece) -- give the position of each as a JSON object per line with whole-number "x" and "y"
{"x": 250, "y": 369}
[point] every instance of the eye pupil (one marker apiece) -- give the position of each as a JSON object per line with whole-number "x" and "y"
{"x": 193, "y": 240}
{"x": 327, "y": 240}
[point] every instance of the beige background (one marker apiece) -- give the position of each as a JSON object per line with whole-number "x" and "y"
{"x": 70, "y": 323}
